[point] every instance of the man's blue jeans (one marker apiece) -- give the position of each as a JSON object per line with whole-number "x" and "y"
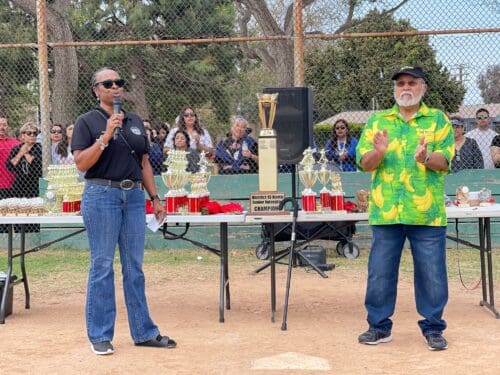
{"x": 113, "y": 216}
{"x": 428, "y": 247}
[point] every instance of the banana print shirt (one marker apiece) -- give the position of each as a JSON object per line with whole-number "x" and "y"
{"x": 404, "y": 191}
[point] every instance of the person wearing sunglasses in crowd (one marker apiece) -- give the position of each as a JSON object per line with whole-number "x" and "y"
{"x": 117, "y": 168}
{"x": 63, "y": 153}
{"x": 56, "y": 136}
{"x": 483, "y": 135}
{"x": 25, "y": 161}
{"x": 200, "y": 139}
{"x": 341, "y": 147}
{"x": 467, "y": 152}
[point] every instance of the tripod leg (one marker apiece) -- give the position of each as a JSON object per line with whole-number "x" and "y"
{"x": 311, "y": 264}
{"x": 280, "y": 254}
{"x": 288, "y": 280}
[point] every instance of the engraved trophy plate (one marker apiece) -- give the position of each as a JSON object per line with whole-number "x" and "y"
{"x": 267, "y": 199}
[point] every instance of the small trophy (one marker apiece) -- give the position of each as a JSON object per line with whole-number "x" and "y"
{"x": 267, "y": 199}
{"x": 175, "y": 178}
{"x": 308, "y": 177}
{"x": 337, "y": 194}
{"x": 199, "y": 190}
{"x": 324, "y": 177}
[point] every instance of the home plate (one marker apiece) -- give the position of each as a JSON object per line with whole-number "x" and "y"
{"x": 291, "y": 361}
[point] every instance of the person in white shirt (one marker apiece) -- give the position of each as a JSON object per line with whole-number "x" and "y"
{"x": 483, "y": 135}
{"x": 200, "y": 140}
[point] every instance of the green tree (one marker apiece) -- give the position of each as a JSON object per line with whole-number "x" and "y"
{"x": 489, "y": 84}
{"x": 161, "y": 78}
{"x": 18, "y": 71}
{"x": 355, "y": 74}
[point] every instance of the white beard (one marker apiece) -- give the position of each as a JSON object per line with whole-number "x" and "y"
{"x": 412, "y": 101}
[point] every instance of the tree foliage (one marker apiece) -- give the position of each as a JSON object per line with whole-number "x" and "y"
{"x": 19, "y": 71}
{"x": 188, "y": 74}
{"x": 355, "y": 74}
{"x": 489, "y": 84}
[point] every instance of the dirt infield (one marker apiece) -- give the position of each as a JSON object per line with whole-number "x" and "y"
{"x": 324, "y": 320}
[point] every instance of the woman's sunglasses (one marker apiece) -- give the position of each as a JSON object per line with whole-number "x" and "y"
{"x": 56, "y": 132}
{"x": 189, "y": 114}
{"x": 107, "y": 84}
{"x": 31, "y": 134}
{"x": 339, "y": 127}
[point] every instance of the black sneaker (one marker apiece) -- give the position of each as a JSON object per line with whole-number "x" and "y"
{"x": 436, "y": 341}
{"x": 102, "y": 348}
{"x": 372, "y": 337}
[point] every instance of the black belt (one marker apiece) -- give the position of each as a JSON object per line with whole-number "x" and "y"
{"x": 124, "y": 185}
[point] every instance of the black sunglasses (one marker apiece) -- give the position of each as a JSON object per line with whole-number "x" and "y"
{"x": 189, "y": 114}
{"x": 56, "y": 131}
{"x": 340, "y": 127}
{"x": 31, "y": 134}
{"x": 107, "y": 84}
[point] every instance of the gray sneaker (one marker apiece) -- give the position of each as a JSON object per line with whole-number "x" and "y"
{"x": 102, "y": 348}
{"x": 436, "y": 341}
{"x": 372, "y": 337}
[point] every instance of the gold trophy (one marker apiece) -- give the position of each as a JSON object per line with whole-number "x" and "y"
{"x": 308, "y": 177}
{"x": 324, "y": 177}
{"x": 175, "y": 178}
{"x": 267, "y": 199}
{"x": 199, "y": 195}
{"x": 337, "y": 195}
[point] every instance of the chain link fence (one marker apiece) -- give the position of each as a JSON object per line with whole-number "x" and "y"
{"x": 210, "y": 58}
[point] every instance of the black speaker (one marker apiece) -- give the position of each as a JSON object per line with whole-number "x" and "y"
{"x": 293, "y": 122}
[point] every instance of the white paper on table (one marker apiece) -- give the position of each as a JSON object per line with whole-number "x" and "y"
{"x": 153, "y": 224}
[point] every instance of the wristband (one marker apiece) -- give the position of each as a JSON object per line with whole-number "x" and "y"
{"x": 153, "y": 197}
{"x": 102, "y": 145}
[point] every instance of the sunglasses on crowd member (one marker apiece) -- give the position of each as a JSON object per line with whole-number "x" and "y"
{"x": 30, "y": 134}
{"x": 108, "y": 83}
{"x": 189, "y": 114}
{"x": 482, "y": 117}
{"x": 340, "y": 127}
{"x": 56, "y": 132}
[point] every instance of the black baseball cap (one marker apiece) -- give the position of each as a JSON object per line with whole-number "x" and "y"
{"x": 414, "y": 71}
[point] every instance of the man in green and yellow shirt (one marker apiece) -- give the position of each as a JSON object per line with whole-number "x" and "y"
{"x": 408, "y": 149}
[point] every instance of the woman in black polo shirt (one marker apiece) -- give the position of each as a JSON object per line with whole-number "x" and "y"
{"x": 110, "y": 146}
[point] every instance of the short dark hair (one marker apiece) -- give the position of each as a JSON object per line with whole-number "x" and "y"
{"x": 482, "y": 110}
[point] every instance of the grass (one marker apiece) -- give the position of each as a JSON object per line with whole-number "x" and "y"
{"x": 463, "y": 263}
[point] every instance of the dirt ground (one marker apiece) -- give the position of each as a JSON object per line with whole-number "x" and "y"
{"x": 325, "y": 317}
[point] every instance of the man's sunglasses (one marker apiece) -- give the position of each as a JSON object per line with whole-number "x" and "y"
{"x": 107, "y": 84}
{"x": 482, "y": 117}
{"x": 31, "y": 134}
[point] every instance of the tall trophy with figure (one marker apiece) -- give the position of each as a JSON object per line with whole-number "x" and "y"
{"x": 267, "y": 199}
{"x": 308, "y": 176}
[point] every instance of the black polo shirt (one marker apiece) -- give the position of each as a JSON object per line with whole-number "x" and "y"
{"x": 116, "y": 161}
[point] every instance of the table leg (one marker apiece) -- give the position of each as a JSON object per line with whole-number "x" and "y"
{"x": 491, "y": 304}
{"x": 225, "y": 246}
{"x": 23, "y": 268}
{"x": 482, "y": 247}
{"x": 224, "y": 282}
{"x": 6, "y": 286}
{"x": 273, "y": 273}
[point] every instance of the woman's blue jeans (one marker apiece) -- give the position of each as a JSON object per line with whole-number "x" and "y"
{"x": 114, "y": 216}
{"x": 428, "y": 247}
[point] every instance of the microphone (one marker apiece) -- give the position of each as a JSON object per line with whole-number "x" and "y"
{"x": 117, "y": 108}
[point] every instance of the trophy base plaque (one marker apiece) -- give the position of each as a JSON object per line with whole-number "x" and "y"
{"x": 266, "y": 203}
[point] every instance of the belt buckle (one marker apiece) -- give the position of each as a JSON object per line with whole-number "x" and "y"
{"x": 126, "y": 184}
